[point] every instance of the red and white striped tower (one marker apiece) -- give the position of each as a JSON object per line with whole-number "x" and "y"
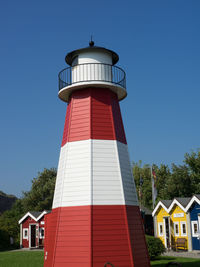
{"x": 95, "y": 217}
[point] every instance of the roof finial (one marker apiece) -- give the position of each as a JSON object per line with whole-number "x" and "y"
{"x": 91, "y": 43}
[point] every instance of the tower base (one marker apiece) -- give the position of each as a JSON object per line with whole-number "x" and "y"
{"x": 90, "y": 236}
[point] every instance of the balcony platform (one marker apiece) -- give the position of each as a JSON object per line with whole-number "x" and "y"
{"x": 92, "y": 75}
{"x": 65, "y": 92}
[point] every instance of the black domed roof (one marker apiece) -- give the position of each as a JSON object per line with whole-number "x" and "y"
{"x": 70, "y": 56}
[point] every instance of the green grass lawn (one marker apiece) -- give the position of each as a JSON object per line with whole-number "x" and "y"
{"x": 35, "y": 259}
{"x": 186, "y": 262}
{"x": 21, "y": 259}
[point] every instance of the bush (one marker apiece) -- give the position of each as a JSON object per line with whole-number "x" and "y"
{"x": 4, "y": 240}
{"x": 155, "y": 246}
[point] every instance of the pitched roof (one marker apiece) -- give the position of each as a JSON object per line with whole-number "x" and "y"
{"x": 166, "y": 202}
{"x": 162, "y": 203}
{"x": 198, "y": 196}
{"x": 36, "y": 215}
{"x": 183, "y": 200}
{"x": 195, "y": 198}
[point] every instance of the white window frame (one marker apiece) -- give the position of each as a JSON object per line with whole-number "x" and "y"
{"x": 36, "y": 231}
{"x": 176, "y": 234}
{"x": 182, "y": 223}
{"x": 42, "y": 237}
{"x": 161, "y": 224}
{"x": 25, "y": 237}
{"x": 193, "y": 233}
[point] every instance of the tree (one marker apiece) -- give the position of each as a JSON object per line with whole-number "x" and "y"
{"x": 144, "y": 191}
{"x": 9, "y": 220}
{"x": 192, "y": 162}
{"x": 163, "y": 175}
{"x": 177, "y": 181}
{"x": 37, "y": 199}
{"x": 40, "y": 196}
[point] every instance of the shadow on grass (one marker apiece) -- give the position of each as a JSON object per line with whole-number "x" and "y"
{"x": 9, "y": 248}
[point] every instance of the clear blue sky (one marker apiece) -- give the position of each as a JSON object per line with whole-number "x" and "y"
{"x": 159, "y": 47}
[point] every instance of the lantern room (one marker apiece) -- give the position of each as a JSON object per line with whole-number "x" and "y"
{"x": 92, "y": 66}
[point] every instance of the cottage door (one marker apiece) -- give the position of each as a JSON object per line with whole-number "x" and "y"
{"x": 167, "y": 232}
{"x": 33, "y": 236}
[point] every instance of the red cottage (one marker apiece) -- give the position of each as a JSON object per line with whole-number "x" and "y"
{"x": 32, "y": 229}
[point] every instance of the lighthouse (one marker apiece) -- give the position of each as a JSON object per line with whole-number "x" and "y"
{"x": 95, "y": 219}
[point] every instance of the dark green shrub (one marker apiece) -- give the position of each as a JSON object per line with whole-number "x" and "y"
{"x": 4, "y": 240}
{"x": 155, "y": 246}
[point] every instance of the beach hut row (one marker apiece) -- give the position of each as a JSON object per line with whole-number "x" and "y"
{"x": 177, "y": 222}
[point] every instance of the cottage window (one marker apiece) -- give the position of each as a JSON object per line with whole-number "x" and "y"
{"x": 42, "y": 232}
{"x": 176, "y": 229}
{"x": 183, "y": 229}
{"x": 160, "y": 229}
{"x": 25, "y": 233}
{"x": 194, "y": 228}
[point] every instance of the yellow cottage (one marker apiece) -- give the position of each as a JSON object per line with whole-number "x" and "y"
{"x": 172, "y": 223}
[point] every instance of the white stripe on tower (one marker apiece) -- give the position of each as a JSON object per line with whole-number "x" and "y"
{"x": 109, "y": 182}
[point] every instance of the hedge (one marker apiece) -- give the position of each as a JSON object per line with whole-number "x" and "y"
{"x": 155, "y": 246}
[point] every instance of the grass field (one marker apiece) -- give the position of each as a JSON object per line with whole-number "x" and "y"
{"x": 21, "y": 259}
{"x": 185, "y": 262}
{"x": 35, "y": 259}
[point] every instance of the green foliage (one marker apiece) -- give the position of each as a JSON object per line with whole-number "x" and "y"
{"x": 177, "y": 181}
{"x": 163, "y": 176}
{"x": 38, "y": 198}
{"x": 4, "y": 240}
{"x": 9, "y": 221}
{"x": 6, "y": 201}
{"x": 192, "y": 162}
{"x": 155, "y": 246}
{"x": 146, "y": 191}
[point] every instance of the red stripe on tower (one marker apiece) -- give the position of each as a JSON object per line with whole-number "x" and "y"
{"x": 105, "y": 121}
{"x": 95, "y": 217}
